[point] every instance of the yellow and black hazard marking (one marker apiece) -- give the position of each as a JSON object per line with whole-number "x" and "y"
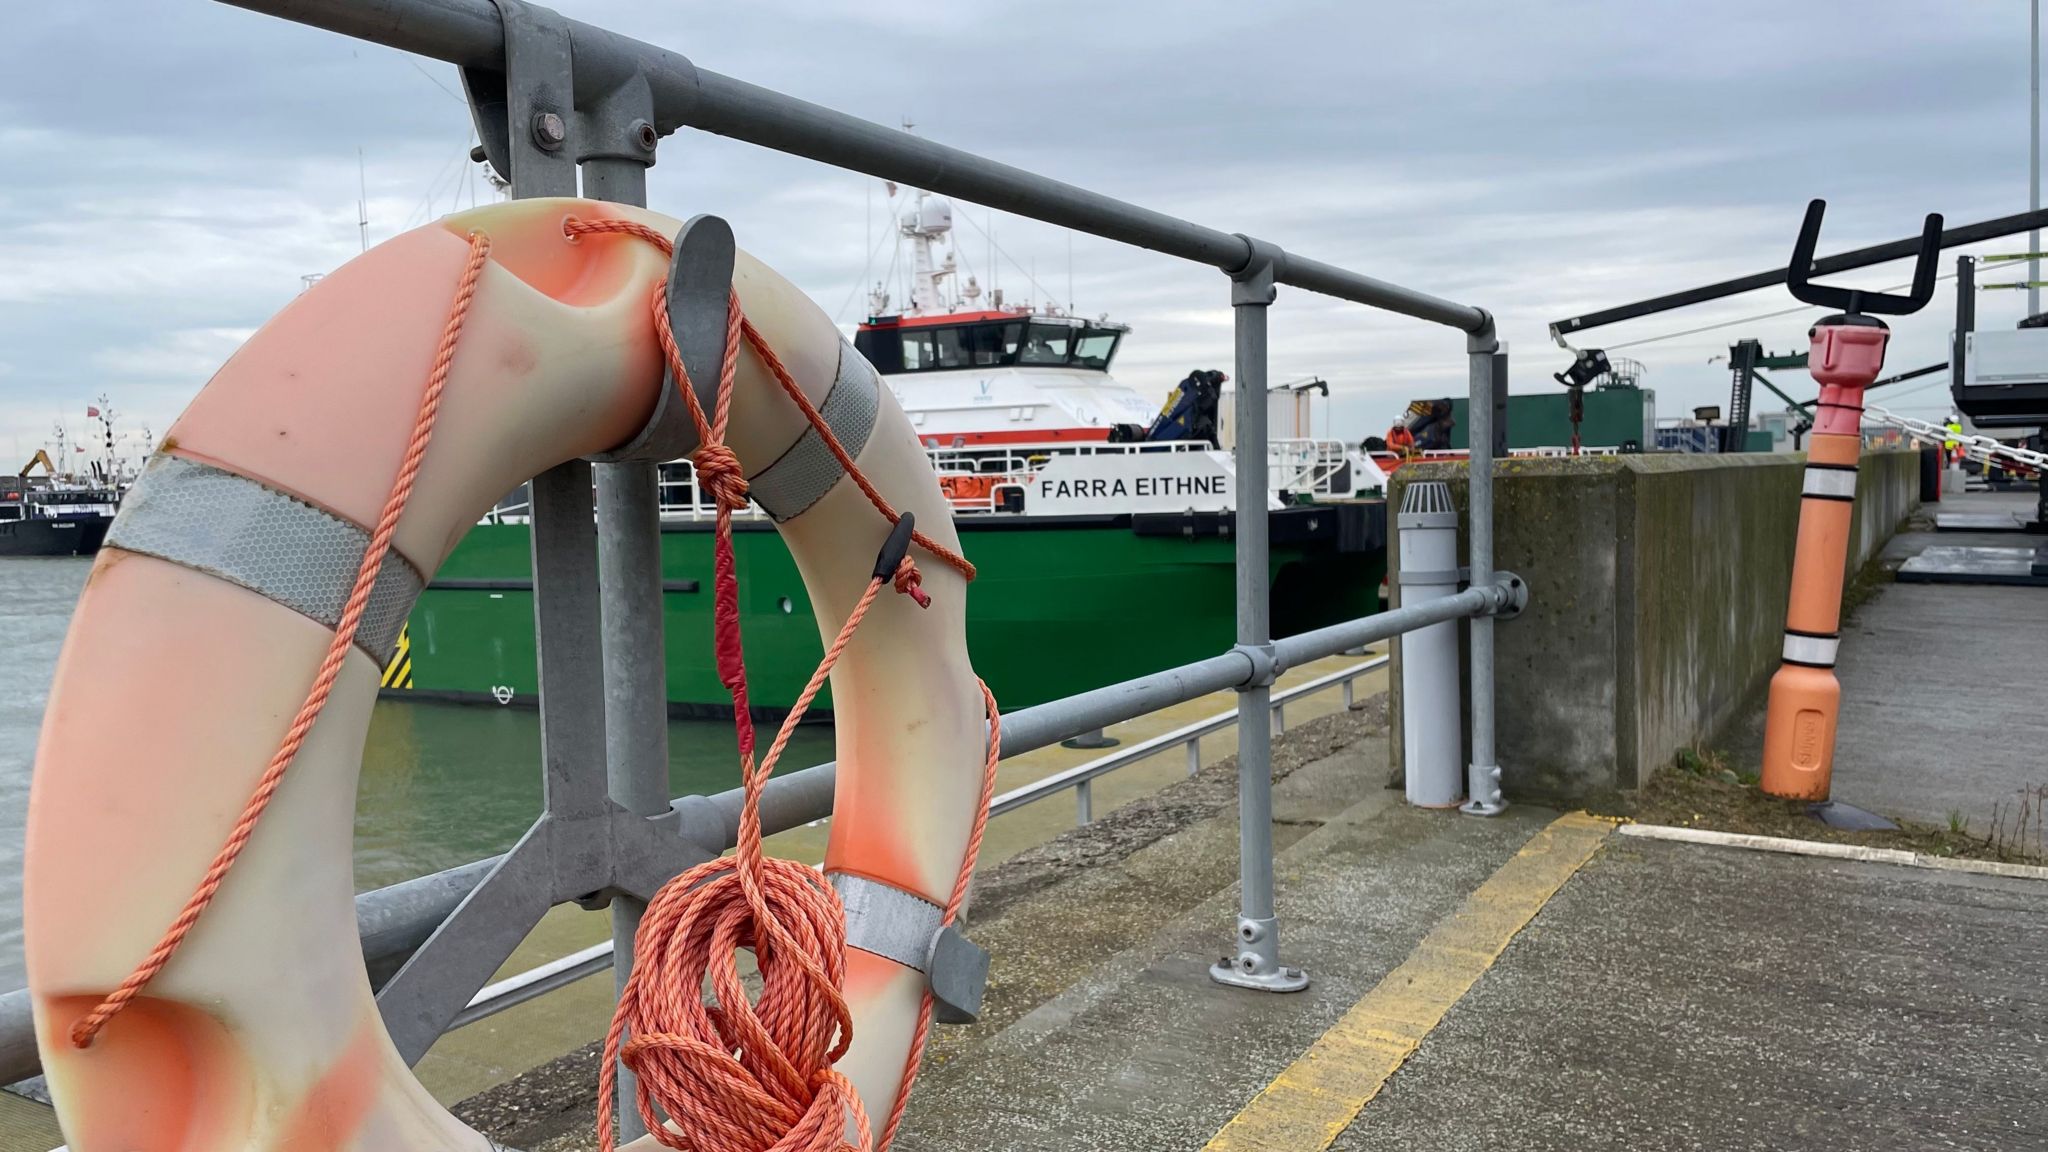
{"x": 398, "y": 673}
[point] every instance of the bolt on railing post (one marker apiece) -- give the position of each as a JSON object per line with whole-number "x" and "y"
{"x": 1482, "y": 787}
{"x": 1256, "y": 962}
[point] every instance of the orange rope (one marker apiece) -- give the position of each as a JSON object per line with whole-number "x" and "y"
{"x": 789, "y": 386}
{"x": 737, "y": 1075}
{"x": 88, "y": 1027}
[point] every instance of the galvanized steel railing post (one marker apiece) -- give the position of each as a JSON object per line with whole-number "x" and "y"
{"x": 1482, "y": 787}
{"x": 520, "y": 108}
{"x": 619, "y": 142}
{"x": 1257, "y": 960}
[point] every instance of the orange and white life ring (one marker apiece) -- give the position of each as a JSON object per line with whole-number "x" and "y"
{"x": 227, "y": 566}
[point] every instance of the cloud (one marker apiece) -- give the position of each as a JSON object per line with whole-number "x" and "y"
{"x": 1539, "y": 160}
{"x": 179, "y": 355}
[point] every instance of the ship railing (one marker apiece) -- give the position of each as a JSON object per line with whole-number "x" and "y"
{"x": 1009, "y": 466}
{"x": 1024, "y": 459}
{"x": 987, "y": 476}
{"x": 1552, "y": 451}
{"x": 1546, "y": 450}
{"x": 1297, "y": 466}
{"x": 607, "y": 101}
{"x": 1308, "y": 467}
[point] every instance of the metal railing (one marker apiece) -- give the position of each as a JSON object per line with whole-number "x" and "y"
{"x": 1307, "y": 467}
{"x": 587, "y": 962}
{"x": 1081, "y": 778}
{"x": 563, "y": 107}
{"x": 395, "y": 922}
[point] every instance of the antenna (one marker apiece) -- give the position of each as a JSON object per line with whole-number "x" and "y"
{"x": 1070, "y": 270}
{"x": 362, "y": 199}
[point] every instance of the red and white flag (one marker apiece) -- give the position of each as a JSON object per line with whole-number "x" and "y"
{"x": 91, "y": 410}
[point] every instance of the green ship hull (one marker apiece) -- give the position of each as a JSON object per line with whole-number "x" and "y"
{"x": 1061, "y": 605}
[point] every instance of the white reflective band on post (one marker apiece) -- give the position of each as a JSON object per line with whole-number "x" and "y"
{"x": 1834, "y": 483}
{"x": 1811, "y": 649}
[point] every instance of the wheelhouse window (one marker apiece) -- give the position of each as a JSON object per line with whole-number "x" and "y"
{"x": 1046, "y": 344}
{"x": 1095, "y": 347}
{"x": 989, "y": 344}
{"x": 996, "y": 343}
{"x": 952, "y": 347}
{"x": 919, "y": 352}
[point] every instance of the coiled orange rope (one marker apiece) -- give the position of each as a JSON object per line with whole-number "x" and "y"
{"x": 737, "y": 1075}
{"x": 88, "y": 1027}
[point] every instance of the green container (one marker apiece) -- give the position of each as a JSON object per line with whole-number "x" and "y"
{"x": 1544, "y": 420}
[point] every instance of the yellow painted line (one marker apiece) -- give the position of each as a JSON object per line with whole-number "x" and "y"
{"x": 1309, "y": 1104}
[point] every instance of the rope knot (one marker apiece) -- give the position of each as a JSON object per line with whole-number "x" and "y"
{"x": 718, "y": 469}
{"x": 910, "y": 582}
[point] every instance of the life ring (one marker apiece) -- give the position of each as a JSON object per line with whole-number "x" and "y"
{"x": 204, "y": 619}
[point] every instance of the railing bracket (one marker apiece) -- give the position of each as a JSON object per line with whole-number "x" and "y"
{"x": 1267, "y": 664}
{"x": 1514, "y": 594}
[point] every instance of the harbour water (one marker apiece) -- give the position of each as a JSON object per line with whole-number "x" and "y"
{"x": 442, "y": 784}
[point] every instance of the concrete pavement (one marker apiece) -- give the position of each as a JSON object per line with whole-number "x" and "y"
{"x": 1532, "y": 982}
{"x": 1681, "y": 997}
{"x": 1666, "y": 996}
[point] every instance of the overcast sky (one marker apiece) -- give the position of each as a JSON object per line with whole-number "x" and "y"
{"x": 170, "y": 169}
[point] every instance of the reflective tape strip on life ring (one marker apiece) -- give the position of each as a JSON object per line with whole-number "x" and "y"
{"x": 267, "y": 541}
{"x": 801, "y": 476}
{"x": 1830, "y": 482}
{"x": 904, "y": 927}
{"x": 1811, "y": 650}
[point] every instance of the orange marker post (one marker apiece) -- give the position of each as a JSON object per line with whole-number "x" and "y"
{"x": 1799, "y": 727}
{"x": 1847, "y": 353}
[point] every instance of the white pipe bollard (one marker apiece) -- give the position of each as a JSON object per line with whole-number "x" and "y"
{"x": 1431, "y": 743}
